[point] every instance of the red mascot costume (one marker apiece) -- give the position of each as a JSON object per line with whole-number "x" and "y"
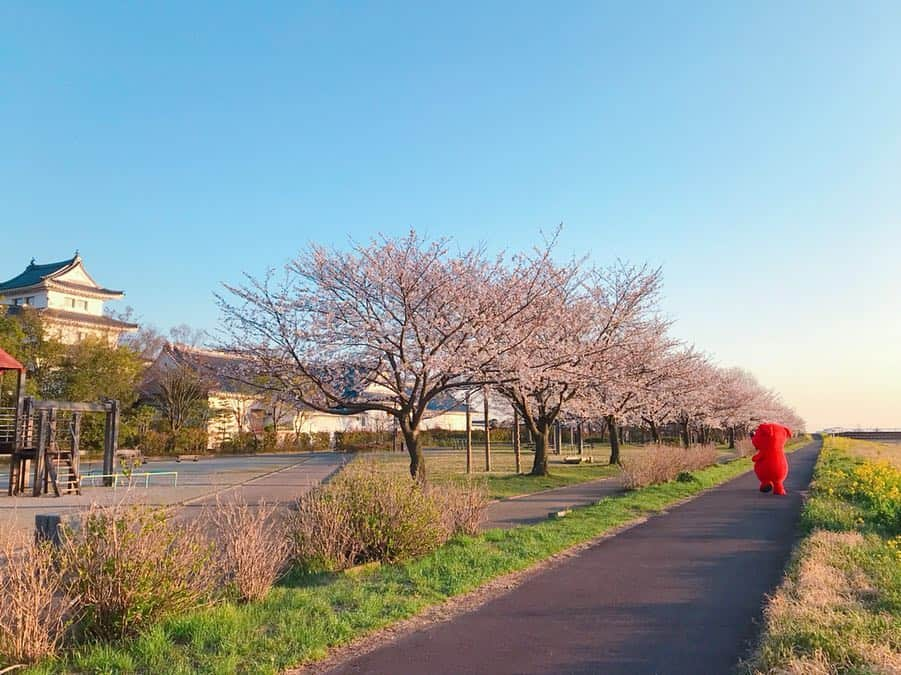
{"x": 770, "y": 464}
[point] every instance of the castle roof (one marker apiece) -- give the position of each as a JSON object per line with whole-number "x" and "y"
{"x": 64, "y": 316}
{"x": 54, "y": 274}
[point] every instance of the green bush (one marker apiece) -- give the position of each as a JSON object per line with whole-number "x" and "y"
{"x": 362, "y": 441}
{"x": 367, "y": 514}
{"x": 445, "y": 438}
{"x": 316, "y": 441}
{"x": 155, "y": 443}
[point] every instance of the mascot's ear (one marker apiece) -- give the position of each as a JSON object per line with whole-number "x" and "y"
{"x": 788, "y": 431}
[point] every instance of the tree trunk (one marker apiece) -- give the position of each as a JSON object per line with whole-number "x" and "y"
{"x": 614, "y": 439}
{"x": 539, "y": 466}
{"x": 417, "y": 460}
{"x": 655, "y": 432}
{"x": 686, "y": 437}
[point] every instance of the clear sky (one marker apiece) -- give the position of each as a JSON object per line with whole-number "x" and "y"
{"x": 751, "y": 149}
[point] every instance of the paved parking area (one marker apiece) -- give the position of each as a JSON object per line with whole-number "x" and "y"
{"x": 277, "y": 478}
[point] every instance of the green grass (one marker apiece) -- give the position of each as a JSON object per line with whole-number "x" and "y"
{"x": 839, "y": 608}
{"x": 307, "y": 615}
{"x": 446, "y": 465}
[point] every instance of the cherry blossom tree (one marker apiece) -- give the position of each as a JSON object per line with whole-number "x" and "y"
{"x": 569, "y": 337}
{"x": 387, "y": 327}
{"x": 639, "y": 366}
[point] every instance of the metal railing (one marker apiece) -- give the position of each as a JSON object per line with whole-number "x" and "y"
{"x": 128, "y": 478}
{"x": 7, "y": 425}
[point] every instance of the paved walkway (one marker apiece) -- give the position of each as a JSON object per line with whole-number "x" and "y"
{"x": 680, "y": 593}
{"x": 533, "y": 508}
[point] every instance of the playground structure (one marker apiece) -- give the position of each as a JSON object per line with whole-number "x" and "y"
{"x": 43, "y": 438}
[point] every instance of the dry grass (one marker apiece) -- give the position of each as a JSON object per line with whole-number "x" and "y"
{"x": 830, "y": 607}
{"x": 869, "y": 450}
{"x": 127, "y": 566}
{"x": 462, "y": 508}
{"x": 34, "y": 612}
{"x": 744, "y": 447}
{"x": 662, "y": 463}
{"x": 253, "y": 549}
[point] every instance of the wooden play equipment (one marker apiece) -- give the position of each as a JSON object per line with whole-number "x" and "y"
{"x": 43, "y": 438}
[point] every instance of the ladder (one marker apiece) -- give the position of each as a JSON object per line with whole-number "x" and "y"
{"x": 62, "y": 462}
{"x": 62, "y": 470}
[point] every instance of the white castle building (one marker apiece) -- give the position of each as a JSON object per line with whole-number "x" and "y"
{"x": 68, "y": 300}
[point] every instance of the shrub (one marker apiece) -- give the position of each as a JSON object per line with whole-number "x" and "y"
{"x": 128, "y": 566}
{"x": 252, "y": 546}
{"x": 319, "y": 440}
{"x": 322, "y": 534}
{"x": 34, "y": 613}
{"x": 744, "y": 447}
{"x": 392, "y": 517}
{"x": 661, "y": 463}
{"x": 461, "y": 507}
{"x": 155, "y": 443}
{"x": 191, "y": 440}
{"x": 367, "y": 514}
{"x": 446, "y": 438}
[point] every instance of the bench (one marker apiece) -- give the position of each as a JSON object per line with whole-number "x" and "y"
{"x": 578, "y": 459}
{"x": 187, "y": 458}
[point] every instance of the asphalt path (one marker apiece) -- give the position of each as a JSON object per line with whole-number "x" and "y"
{"x": 680, "y": 593}
{"x": 533, "y": 508}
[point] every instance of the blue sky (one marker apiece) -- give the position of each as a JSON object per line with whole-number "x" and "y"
{"x": 752, "y": 150}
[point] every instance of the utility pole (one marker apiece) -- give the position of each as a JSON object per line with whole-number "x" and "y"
{"x": 468, "y": 435}
{"x": 516, "y": 443}
{"x": 487, "y": 431}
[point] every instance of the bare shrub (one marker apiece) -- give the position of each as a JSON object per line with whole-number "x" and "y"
{"x": 367, "y": 514}
{"x": 462, "y": 507}
{"x": 322, "y": 533}
{"x": 744, "y": 447}
{"x": 34, "y": 613}
{"x": 252, "y": 545}
{"x": 130, "y": 565}
{"x": 661, "y": 463}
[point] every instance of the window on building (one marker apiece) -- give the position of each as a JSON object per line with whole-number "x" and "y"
{"x": 71, "y": 302}
{"x": 84, "y": 305}
{"x": 29, "y": 300}
{"x": 17, "y": 302}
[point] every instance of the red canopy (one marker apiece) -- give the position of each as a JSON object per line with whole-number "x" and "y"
{"x": 9, "y": 363}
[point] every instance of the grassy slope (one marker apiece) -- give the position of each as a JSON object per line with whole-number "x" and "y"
{"x": 839, "y": 608}
{"x": 300, "y": 620}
